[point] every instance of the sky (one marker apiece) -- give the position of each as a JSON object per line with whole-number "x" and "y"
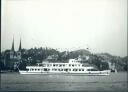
{"x": 100, "y": 25}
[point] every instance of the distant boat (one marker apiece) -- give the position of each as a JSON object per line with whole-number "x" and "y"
{"x": 73, "y": 67}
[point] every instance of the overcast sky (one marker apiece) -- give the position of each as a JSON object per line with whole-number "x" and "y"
{"x": 100, "y": 25}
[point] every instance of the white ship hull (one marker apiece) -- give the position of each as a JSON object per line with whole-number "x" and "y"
{"x": 93, "y": 73}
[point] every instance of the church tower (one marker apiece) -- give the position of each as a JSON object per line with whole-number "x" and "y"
{"x": 13, "y": 45}
{"x": 12, "y": 50}
{"x": 19, "y": 51}
{"x": 20, "y": 45}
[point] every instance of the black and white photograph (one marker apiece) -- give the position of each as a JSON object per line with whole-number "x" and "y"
{"x": 64, "y": 45}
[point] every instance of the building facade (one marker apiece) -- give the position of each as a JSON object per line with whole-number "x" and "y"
{"x": 14, "y": 57}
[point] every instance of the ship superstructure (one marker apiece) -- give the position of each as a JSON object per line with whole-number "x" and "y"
{"x": 73, "y": 67}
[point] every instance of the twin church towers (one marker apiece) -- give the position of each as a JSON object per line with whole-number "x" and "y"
{"x": 13, "y": 49}
{"x": 15, "y": 54}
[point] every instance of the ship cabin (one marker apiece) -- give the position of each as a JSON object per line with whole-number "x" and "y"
{"x": 73, "y": 66}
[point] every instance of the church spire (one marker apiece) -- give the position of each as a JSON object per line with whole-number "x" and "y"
{"x": 20, "y": 45}
{"x": 13, "y": 44}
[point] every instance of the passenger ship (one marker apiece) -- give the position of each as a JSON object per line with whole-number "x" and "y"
{"x": 73, "y": 67}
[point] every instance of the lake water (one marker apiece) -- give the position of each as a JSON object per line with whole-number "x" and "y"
{"x": 115, "y": 82}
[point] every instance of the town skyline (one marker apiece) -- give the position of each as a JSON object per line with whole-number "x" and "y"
{"x": 99, "y": 25}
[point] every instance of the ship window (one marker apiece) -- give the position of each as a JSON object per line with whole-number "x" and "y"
{"x": 48, "y": 65}
{"x": 39, "y": 64}
{"x": 76, "y": 69}
{"x": 35, "y": 69}
{"x": 45, "y": 69}
{"x": 53, "y": 64}
{"x": 61, "y": 69}
{"x": 69, "y": 69}
{"x": 94, "y": 70}
{"x": 65, "y": 69}
{"x": 91, "y": 70}
{"x": 38, "y": 69}
{"x": 55, "y": 69}
{"x": 48, "y": 69}
{"x": 88, "y": 69}
{"x": 75, "y": 64}
{"x": 63, "y": 64}
{"x": 56, "y": 64}
{"x": 79, "y": 69}
{"x": 60, "y": 65}
{"x": 72, "y": 65}
{"x": 44, "y": 65}
{"x": 58, "y": 69}
{"x": 82, "y": 69}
